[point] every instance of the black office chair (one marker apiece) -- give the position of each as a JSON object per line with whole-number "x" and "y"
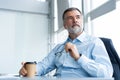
{"x": 115, "y": 60}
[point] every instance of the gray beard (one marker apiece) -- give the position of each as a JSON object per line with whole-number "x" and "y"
{"x": 74, "y": 30}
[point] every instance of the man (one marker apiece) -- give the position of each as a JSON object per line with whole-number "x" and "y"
{"x": 81, "y": 55}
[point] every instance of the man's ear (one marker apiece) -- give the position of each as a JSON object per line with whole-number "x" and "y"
{"x": 64, "y": 25}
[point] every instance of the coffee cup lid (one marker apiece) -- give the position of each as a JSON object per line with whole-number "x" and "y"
{"x": 31, "y": 62}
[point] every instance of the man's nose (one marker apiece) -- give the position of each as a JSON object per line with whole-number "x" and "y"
{"x": 75, "y": 20}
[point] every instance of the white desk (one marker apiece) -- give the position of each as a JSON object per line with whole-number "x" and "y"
{"x": 16, "y": 77}
{"x": 52, "y": 78}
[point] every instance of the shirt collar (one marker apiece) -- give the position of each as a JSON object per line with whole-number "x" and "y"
{"x": 81, "y": 38}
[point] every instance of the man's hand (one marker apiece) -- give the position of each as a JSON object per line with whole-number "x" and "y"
{"x": 71, "y": 48}
{"x": 23, "y": 71}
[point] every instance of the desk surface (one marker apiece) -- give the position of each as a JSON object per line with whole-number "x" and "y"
{"x": 53, "y": 78}
{"x": 11, "y": 77}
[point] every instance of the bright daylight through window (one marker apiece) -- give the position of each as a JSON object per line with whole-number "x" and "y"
{"x": 108, "y": 26}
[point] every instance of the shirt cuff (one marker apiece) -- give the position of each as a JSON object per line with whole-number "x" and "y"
{"x": 83, "y": 60}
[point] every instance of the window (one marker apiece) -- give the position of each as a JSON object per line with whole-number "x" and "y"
{"x": 107, "y": 26}
{"x": 97, "y": 3}
{"x": 41, "y": 0}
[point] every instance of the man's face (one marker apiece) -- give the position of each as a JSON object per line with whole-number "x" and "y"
{"x": 73, "y": 22}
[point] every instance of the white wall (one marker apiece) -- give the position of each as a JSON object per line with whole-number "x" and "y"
{"x": 33, "y": 6}
{"x": 23, "y": 33}
{"x": 23, "y": 37}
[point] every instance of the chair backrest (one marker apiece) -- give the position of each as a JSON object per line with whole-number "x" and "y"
{"x": 115, "y": 60}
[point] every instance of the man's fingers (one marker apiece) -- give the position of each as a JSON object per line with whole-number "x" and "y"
{"x": 68, "y": 46}
{"x": 72, "y": 49}
{"x": 23, "y": 71}
{"x": 23, "y": 63}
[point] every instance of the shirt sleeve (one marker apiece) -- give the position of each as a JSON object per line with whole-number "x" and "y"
{"x": 99, "y": 65}
{"x": 47, "y": 64}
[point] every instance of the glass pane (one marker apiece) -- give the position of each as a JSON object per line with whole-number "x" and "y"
{"x": 76, "y": 3}
{"x": 41, "y": 0}
{"x": 108, "y": 26}
{"x": 97, "y": 3}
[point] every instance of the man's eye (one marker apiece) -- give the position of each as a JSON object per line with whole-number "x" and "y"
{"x": 78, "y": 17}
{"x": 69, "y": 17}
